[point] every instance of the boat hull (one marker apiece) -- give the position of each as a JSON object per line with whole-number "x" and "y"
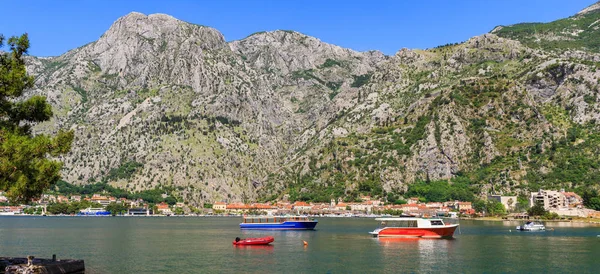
{"x": 255, "y": 241}
{"x": 530, "y": 228}
{"x": 100, "y": 213}
{"x": 288, "y": 225}
{"x": 415, "y": 232}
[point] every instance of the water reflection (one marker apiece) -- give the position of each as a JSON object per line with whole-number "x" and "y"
{"x": 416, "y": 253}
{"x": 264, "y": 249}
{"x": 567, "y": 224}
{"x": 252, "y": 257}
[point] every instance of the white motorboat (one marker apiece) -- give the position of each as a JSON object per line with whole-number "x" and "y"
{"x": 531, "y": 226}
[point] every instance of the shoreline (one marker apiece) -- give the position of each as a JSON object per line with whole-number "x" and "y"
{"x": 595, "y": 221}
{"x": 573, "y": 220}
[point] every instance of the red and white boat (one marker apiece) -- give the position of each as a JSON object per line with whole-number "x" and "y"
{"x": 413, "y": 228}
{"x": 254, "y": 241}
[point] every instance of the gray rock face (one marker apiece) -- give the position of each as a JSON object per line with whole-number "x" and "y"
{"x": 589, "y": 9}
{"x": 157, "y": 47}
{"x": 289, "y": 51}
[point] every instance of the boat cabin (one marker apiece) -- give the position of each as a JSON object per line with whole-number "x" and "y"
{"x": 409, "y": 222}
{"x": 274, "y": 219}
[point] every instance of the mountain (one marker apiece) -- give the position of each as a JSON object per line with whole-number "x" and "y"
{"x": 158, "y": 102}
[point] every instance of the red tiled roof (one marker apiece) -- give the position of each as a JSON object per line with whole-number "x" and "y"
{"x": 162, "y": 206}
{"x": 301, "y": 204}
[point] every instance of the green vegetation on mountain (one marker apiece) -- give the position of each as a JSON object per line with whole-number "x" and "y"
{"x": 441, "y": 191}
{"x": 579, "y": 32}
{"x": 151, "y": 196}
{"x": 125, "y": 171}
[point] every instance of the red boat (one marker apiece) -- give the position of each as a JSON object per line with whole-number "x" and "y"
{"x": 254, "y": 241}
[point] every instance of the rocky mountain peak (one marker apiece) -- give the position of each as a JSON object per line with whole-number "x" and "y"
{"x": 135, "y": 26}
{"x": 290, "y": 51}
{"x": 594, "y": 7}
{"x": 136, "y": 44}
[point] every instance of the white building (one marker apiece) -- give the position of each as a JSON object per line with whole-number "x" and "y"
{"x": 368, "y": 207}
{"x": 550, "y": 199}
{"x": 509, "y": 202}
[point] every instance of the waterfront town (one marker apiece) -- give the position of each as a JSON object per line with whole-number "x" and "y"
{"x": 561, "y": 203}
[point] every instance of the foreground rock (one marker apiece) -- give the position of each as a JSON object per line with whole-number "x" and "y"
{"x": 31, "y": 265}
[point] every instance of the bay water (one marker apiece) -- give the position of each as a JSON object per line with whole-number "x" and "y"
{"x": 339, "y": 245}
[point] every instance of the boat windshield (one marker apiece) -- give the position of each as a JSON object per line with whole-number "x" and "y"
{"x": 403, "y": 223}
{"x": 436, "y": 222}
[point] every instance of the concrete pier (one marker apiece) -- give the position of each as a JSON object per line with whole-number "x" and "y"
{"x": 30, "y": 265}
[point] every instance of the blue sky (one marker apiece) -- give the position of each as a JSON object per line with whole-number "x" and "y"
{"x": 57, "y": 26}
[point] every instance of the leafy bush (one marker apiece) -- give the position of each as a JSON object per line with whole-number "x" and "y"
{"x": 537, "y": 210}
{"x": 330, "y": 63}
{"x": 125, "y": 171}
{"x": 226, "y": 121}
{"x": 589, "y": 99}
{"x": 441, "y": 191}
{"x": 360, "y": 80}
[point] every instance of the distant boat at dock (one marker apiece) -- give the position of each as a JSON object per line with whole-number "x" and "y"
{"x": 278, "y": 223}
{"x": 93, "y": 212}
{"x": 531, "y": 226}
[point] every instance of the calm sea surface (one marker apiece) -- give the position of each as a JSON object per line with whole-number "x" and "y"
{"x": 339, "y": 245}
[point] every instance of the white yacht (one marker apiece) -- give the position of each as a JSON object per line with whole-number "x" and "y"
{"x": 531, "y": 226}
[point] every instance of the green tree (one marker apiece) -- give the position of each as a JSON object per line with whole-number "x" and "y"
{"x": 537, "y": 210}
{"x": 116, "y": 208}
{"x": 490, "y": 207}
{"x": 58, "y": 208}
{"x": 479, "y": 206}
{"x": 495, "y": 208}
{"x": 510, "y": 202}
{"x": 29, "y": 210}
{"x": 178, "y": 211}
{"x": 25, "y": 170}
{"x": 591, "y": 199}
{"x": 550, "y": 216}
{"x": 522, "y": 203}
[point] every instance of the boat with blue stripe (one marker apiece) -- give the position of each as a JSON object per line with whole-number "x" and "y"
{"x": 93, "y": 212}
{"x": 278, "y": 223}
